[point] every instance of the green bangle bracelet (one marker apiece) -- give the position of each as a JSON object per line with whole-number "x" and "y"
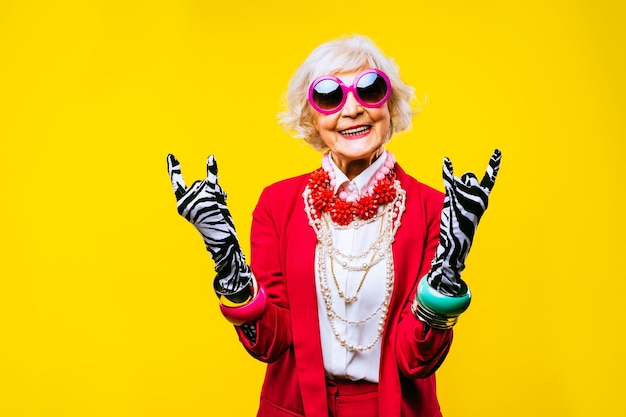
{"x": 440, "y": 303}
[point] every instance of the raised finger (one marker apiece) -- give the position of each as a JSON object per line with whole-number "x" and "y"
{"x": 489, "y": 179}
{"x": 448, "y": 175}
{"x": 176, "y": 176}
{"x": 211, "y": 171}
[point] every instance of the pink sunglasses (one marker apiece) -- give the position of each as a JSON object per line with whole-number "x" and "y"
{"x": 328, "y": 94}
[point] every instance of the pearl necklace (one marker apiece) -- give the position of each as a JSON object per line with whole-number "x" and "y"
{"x": 324, "y": 224}
{"x": 366, "y": 268}
{"x": 332, "y": 314}
{"x": 389, "y": 216}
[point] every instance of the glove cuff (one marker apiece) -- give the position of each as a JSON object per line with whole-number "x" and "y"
{"x": 242, "y": 295}
{"x": 234, "y": 280}
{"x": 439, "y": 311}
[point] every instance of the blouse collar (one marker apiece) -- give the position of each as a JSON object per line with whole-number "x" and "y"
{"x": 361, "y": 180}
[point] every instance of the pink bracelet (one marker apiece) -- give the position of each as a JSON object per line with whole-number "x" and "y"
{"x": 247, "y": 312}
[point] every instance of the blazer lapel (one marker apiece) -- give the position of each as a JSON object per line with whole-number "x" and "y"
{"x": 301, "y": 290}
{"x": 407, "y": 251}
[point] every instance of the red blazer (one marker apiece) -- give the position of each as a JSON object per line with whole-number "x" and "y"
{"x": 288, "y": 334}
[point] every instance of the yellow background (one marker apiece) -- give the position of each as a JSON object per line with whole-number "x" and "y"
{"x": 106, "y": 307}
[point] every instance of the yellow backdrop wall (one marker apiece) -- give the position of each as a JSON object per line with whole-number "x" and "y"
{"x": 106, "y": 307}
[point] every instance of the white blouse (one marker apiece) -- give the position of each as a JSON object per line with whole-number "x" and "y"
{"x": 339, "y": 362}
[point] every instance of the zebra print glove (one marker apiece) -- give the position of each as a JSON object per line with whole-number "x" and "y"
{"x": 464, "y": 204}
{"x": 442, "y": 296}
{"x": 204, "y": 206}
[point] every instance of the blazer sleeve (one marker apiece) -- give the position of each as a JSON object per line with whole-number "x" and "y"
{"x": 420, "y": 350}
{"x": 273, "y": 329}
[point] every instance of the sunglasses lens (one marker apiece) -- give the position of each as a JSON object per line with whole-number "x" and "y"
{"x": 327, "y": 94}
{"x": 372, "y": 88}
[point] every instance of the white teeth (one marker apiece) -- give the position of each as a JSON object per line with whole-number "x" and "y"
{"x": 355, "y": 131}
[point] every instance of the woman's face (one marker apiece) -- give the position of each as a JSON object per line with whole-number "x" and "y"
{"x": 354, "y": 134}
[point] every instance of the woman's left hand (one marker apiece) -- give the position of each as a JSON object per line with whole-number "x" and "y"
{"x": 464, "y": 204}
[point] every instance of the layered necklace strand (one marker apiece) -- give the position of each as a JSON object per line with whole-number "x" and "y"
{"x": 384, "y": 201}
{"x": 367, "y": 268}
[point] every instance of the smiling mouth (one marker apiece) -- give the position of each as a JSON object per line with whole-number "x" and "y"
{"x": 357, "y": 131}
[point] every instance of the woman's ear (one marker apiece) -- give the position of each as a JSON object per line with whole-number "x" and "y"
{"x": 314, "y": 120}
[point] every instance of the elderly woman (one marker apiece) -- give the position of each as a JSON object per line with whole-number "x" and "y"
{"x": 354, "y": 283}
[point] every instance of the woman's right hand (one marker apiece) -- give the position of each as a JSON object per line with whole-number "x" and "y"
{"x": 204, "y": 206}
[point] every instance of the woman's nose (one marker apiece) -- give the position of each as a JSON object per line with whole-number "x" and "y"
{"x": 351, "y": 108}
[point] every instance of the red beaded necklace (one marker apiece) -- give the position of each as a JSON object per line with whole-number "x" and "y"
{"x": 343, "y": 212}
